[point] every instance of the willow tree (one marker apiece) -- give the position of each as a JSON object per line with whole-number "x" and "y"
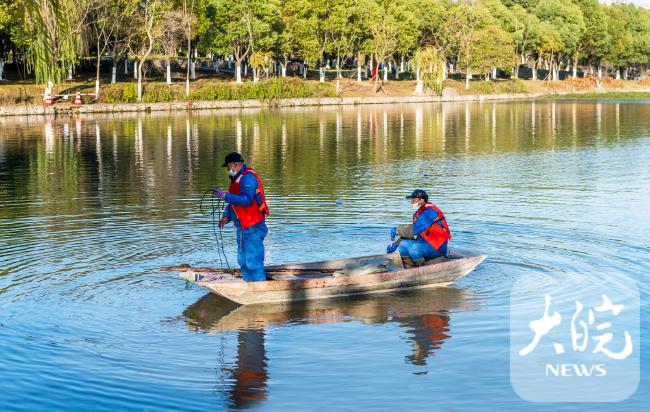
{"x": 429, "y": 70}
{"x": 261, "y": 61}
{"x": 57, "y": 27}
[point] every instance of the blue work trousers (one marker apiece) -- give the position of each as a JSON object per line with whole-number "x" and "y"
{"x": 418, "y": 249}
{"x": 250, "y": 252}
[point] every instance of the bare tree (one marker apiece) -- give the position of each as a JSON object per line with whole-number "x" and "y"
{"x": 174, "y": 30}
{"x": 150, "y": 19}
{"x": 188, "y": 20}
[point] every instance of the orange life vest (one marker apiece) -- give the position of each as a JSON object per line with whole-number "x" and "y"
{"x": 436, "y": 234}
{"x": 253, "y": 213}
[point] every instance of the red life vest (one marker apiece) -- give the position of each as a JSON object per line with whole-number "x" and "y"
{"x": 253, "y": 213}
{"x": 435, "y": 235}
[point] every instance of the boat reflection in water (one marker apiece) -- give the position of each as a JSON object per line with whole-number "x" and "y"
{"x": 424, "y": 314}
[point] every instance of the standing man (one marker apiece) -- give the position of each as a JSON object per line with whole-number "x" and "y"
{"x": 430, "y": 230}
{"x": 247, "y": 209}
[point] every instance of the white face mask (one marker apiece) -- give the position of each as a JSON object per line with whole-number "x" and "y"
{"x": 415, "y": 206}
{"x": 232, "y": 173}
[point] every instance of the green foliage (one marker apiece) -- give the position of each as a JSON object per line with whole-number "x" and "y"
{"x": 126, "y": 93}
{"x": 566, "y": 20}
{"x": 57, "y": 40}
{"x": 158, "y": 93}
{"x": 511, "y": 87}
{"x": 265, "y": 90}
{"x": 51, "y": 35}
{"x": 481, "y": 88}
{"x": 429, "y": 64}
{"x": 240, "y": 27}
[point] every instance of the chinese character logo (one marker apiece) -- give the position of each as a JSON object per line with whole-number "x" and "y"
{"x": 577, "y": 347}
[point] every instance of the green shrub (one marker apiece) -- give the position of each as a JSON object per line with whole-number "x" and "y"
{"x": 118, "y": 93}
{"x": 511, "y": 86}
{"x": 481, "y": 87}
{"x": 264, "y": 90}
{"x": 158, "y": 93}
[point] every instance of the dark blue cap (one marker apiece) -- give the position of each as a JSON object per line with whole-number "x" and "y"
{"x": 419, "y": 194}
{"x": 231, "y": 158}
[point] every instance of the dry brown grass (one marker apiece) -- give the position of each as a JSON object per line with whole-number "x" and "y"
{"x": 610, "y": 83}
{"x": 16, "y": 95}
{"x": 644, "y": 82}
{"x": 352, "y": 88}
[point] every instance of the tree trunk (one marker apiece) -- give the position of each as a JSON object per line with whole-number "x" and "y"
{"x": 600, "y": 71}
{"x": 359, "y": 67}
{"x": 625, "y": 74}
{"x": 534, "y": 69}
{"x": 401, "y": 64}
{"x": 618, "y": 73}
{"x": 494, "y": 73}
{"x": 138, "y": 73}
{"x": 169, "y": 71}
{"x": 575, "y": 66}
{"x": 99, "y": 61}
{"x": 385, "y": 72}
{"x": 69, "y": 73}
{"x": 114, "y": 72}
{"x": 338, "y": 66}
{"x": 2, "y": 67}
{"x": 321, "y": 70}
{"x": 304, "y": 70}
{"x": 126, "y": 66}
{"x": 135, "y": 70}
{"x": 284, "y": 66}
{"x": 468, "y": 76}
{"x": 189, "y": 66}
{"x": 419, "y": 84}
{"x": 238, "y": 70}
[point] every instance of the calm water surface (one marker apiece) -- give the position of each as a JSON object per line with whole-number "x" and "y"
{"x": 91, "y": 207}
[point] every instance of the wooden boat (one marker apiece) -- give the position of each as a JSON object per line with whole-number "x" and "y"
{"x": 317, "y": 280}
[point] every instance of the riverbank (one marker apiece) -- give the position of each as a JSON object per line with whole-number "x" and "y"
{"x": 349, "y": 93}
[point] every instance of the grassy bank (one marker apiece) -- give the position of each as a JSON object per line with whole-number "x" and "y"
{"x": 211, "y": 89}
{"x": 605, "y": 95}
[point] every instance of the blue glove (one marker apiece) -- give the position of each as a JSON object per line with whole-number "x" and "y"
{"x": 392, "y": 247}
{"x": 219, "y": 193}
{"x": 393, "y": 233}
